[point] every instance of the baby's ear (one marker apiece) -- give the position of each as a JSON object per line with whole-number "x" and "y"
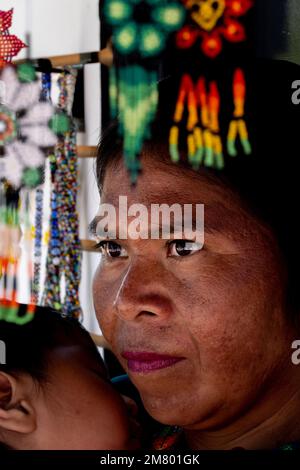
{"x": 16, "y": 411}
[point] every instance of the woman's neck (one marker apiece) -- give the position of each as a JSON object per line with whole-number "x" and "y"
{"x": 273, "y": 420}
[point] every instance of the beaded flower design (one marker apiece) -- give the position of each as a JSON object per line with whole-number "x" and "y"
{"x": 143, "y": 26}
{"x": 27, "y": 127}
{"x": 10, "y": 45}
{"x": 213, "y": 21}
{"x": 140, "y": 32}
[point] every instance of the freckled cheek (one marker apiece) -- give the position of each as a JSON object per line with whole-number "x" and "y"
{"x": 224, "y": 349}
{"x": 104, "y": 295}
{"x": 221, "y": 319}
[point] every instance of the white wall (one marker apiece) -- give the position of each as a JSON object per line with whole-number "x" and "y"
{"x": 56, "y": 26}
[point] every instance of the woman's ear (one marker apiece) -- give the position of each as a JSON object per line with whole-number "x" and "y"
{"x": 16, "y": 411}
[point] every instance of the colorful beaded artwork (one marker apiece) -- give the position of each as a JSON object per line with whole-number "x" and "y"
{"x": 199, "y": 101}
{"x": 238, "y": 127}
{"x": 39, "y": 199}
{"x": 211, "y": 22}
{"x": 141, "y": 29}
{"x": 64, "y": 250}
{"x": 134, "y": 98}
{"x": 10, "y": 312}
{"x": 203, "y": 140}
{"x": 143, "y": 26}
{"x": 25, "y": 127}
{"x": 10, "y": 235}
{"x": 141, "y": 34}
{"x": 10, "y": 45}
{"x": 29, "y": 126}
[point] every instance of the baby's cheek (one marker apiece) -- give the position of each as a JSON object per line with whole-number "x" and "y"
{"x": 121, "y": 435}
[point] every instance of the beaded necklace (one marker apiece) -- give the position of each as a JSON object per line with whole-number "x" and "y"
{"x": 64, "y": 252}
{"x": 39, "y": 199}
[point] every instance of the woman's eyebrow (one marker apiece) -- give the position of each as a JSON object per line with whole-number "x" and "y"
{"x": 221, "y": 219}
{"x": 218, "y": 218}
{"x": 162, "y": 231}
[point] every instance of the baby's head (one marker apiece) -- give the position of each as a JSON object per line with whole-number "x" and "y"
{"x": 54, "y": 391}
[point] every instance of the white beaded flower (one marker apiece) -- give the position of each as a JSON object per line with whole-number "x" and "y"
{"x": 24, "y": 127}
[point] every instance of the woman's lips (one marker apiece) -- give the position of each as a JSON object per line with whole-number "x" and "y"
{"x": 148, "y": 362}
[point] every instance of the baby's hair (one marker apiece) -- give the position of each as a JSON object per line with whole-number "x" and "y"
{"x": 28, "y": 347}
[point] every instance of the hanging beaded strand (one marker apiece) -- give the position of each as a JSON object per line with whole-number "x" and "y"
{"x": 10, "y": 238}
{"x": 67, "y": 173}
{"x": 51, "y": 295}
{"x": 64, "y": 255}
{"x": 38, "y": 232}
{"x": 9, "y": 258}
{"x": 27, "y": 237}
{"x": 39, "y": 199}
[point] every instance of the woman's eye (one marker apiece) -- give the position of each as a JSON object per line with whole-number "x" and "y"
{"x": 183, "y": 248}
{"x": 112, "y": 250}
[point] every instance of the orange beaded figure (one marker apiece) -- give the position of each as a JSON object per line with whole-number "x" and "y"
{"x": 199, "y": 101}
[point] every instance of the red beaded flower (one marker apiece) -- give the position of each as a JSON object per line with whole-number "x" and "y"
{"x": 10, "y": 45}
{"x": 213, "y": 21}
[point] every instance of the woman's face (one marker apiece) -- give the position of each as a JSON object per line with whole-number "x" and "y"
{"x": 200, "y": 332}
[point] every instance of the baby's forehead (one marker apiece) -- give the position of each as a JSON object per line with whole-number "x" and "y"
{"x": 79, "y": 355}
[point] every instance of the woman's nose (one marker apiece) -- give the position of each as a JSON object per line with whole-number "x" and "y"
{"x": 143, "y": 294}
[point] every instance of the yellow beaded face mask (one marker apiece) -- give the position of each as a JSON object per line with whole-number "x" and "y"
{"x": 206, "y": 13}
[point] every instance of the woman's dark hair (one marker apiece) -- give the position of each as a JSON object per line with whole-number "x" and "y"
{"x": 28, "y": 347}
{"x": 268, "y": 179}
